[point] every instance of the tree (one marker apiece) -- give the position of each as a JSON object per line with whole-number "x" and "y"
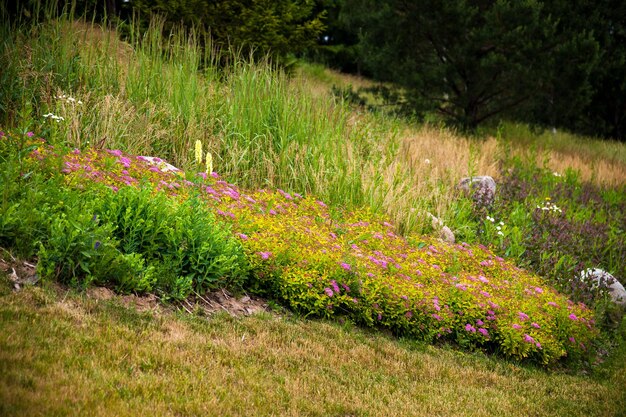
{"x": 274, "y": 27}
{"x": 469, "y": 60}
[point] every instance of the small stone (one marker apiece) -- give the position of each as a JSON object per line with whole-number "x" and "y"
{"x": 600, "y": 278}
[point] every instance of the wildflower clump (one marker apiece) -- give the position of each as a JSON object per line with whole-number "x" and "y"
{"x": 329, "y": 262}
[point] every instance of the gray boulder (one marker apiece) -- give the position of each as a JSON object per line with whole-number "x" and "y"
{"x": 482, "y": 188}
{"x": 600, "y": 278}
{"x": 444, "y": 231}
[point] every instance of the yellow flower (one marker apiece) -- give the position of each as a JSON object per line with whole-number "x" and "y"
{"x": 209, "y": 163}
{"x": 198, "y": 152}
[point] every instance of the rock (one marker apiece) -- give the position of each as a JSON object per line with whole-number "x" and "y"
{"x": 445, "y": 233}
{"x": 159, "y": 163}
{"x": 482, "y": 188}
{"x": 601, "y": 278}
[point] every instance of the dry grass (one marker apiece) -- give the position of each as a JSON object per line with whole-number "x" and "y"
{"x": 69, "y": 355}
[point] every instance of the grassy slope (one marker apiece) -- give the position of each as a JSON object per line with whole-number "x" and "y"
{"x": 65, "y": 354}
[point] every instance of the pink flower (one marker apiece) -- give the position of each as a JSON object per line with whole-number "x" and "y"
{"x": 333, "y": 283}
{"x": 485, "y": 294}
{"x": 571, "y": 339}
{"x": 553, "y": 304}
{"x": 30, "y": 134}
{"x": 484, "y": 332}
{"x": 116, "y": 152}
{"x": 528, "y": 339}
{"x": 242, "y": 236}
{"x": 523, "y": 316}
{"x": 461, "y": 287}
{"x": 321, "y": 203}
{"x": 573, "y": 317}
{"x": 436, "y": 317}
{"x": 479, "y": 322}
{"x": 538, "y": 345}
{"x": 265, "y": 255}
{"x": 345, "y": 266}
{"x": 409, "y": 314}
{"x": 517, "y": 326}
{"x": 538, "y": 290}
{"x": 535, "y": 325}
{"x": 328, "y": 292}
{"x": 470, "y": 328}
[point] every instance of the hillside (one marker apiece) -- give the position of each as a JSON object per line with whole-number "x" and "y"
{"x": 141, "y": 168}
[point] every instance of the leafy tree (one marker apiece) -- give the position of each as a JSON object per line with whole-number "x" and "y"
{"x": 275, "y": 27}
{"x": 469, "y": 60}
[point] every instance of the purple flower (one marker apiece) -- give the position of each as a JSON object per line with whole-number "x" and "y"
{"x": 573, "y": 317}
{"x": 409, "y": 314}
{"x": 538, "y": 345}
{"x": 523, "y": 316}
{"x": 470, "y": 328}
{"x": 485, "y": 294}
{"x": 265, "y": 255}
{"x": 436, "y": 317}
{"x": 461, "y": 287}
{"x": 553, "y": 304}
{"x": 380, "y": 316}
{"x": 484, "y": 332}
{"x": 528, "y": 339}
{"x": 333, "y": 283}
{"x": 117, "y": 152}
{"x": 517, "y": 326}
{"x": 345, "y": 266}
{"x": 273, "y": 212}
{"x": 479, "y": 322}
{"x": 328, "y": 292}
{"x": 30, "y": 134}
{"x": 124, "y": 161}
{"x": 242, "y": 236}
{"x": 571, "y": 339}
{"x": 535, "y": 325}
{"x": 321, "y": 203}
{"x": 538, "y": 290}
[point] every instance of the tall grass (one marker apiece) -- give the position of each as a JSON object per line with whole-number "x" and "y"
{"x": 158, "y": 93}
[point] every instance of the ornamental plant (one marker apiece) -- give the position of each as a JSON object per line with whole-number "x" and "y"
{"x": 327, "y": 262}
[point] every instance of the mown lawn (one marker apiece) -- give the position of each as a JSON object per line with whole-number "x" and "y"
{"x": 63, "y": 353}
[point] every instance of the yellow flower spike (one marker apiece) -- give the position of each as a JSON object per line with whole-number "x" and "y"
{"x": 209, "y": 163}
{"x": 198, "y": 152}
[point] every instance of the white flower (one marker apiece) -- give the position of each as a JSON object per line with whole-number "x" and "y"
{"x": 53, "y": 117}
{"x": 209, "y": 163}
{"x": 498, "y": 228}
{"x": 198, "y": 152}
{"x": 500, "y": 233}
{"x": 501, "y": 223}
{"x": 427, "y": 161}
